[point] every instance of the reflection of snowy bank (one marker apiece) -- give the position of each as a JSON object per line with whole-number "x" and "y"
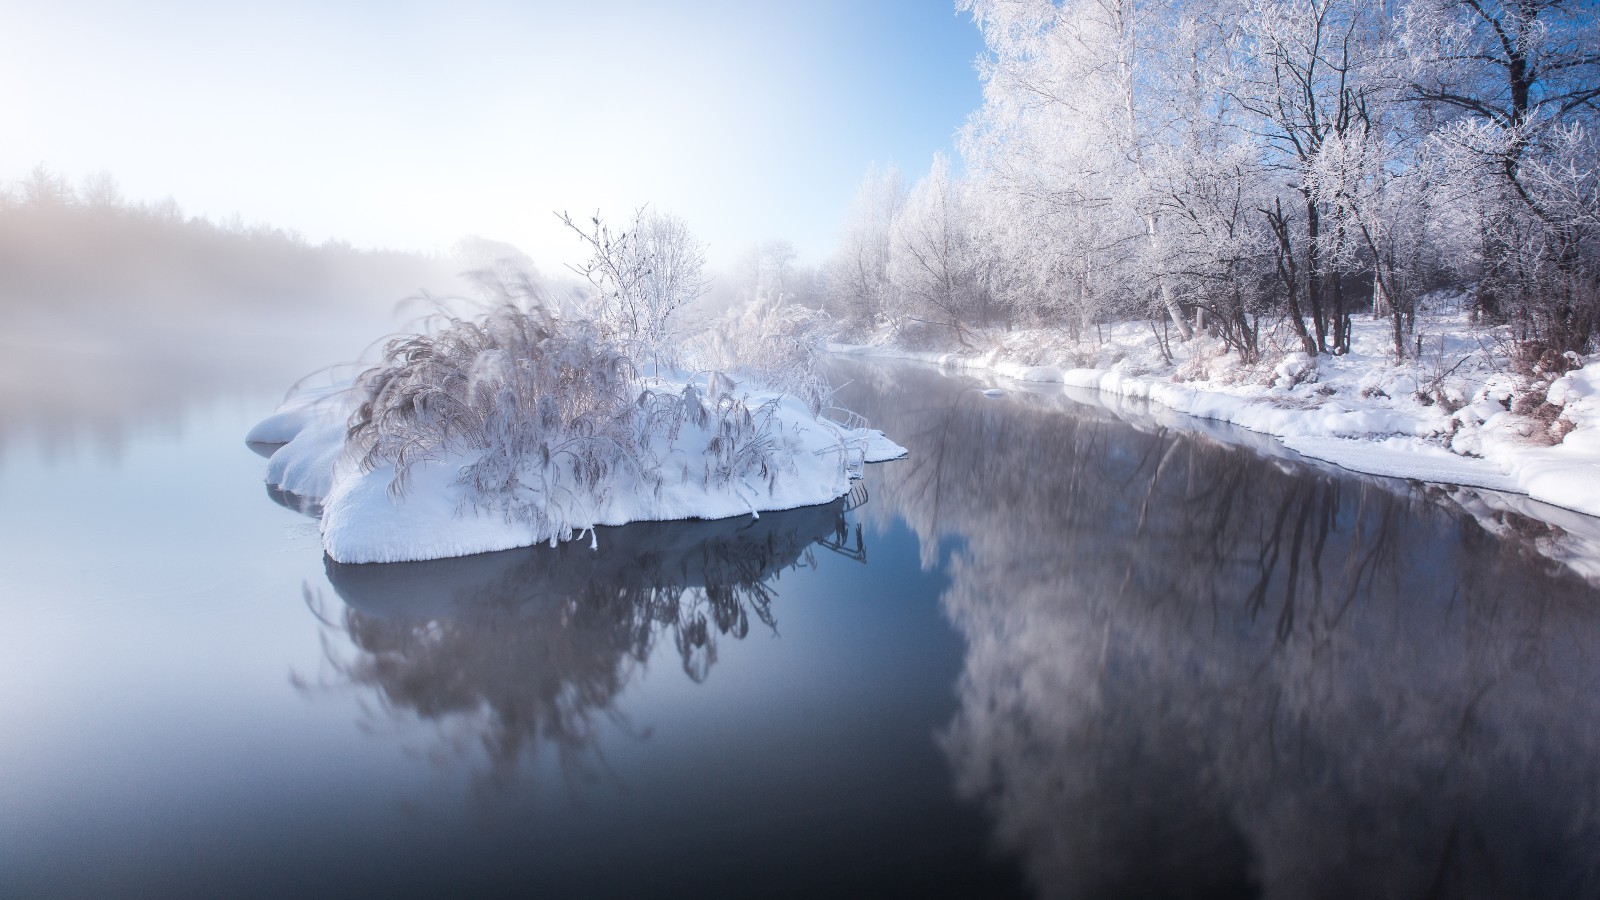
{"x": 1192, "y": 670}
{"x": 1554, "y": 532}
{"x": 526, "y": 648}
{"x": 1456, "y": 416}
{"x": 517, "y": 428}
{"x": 1537, "y": 529}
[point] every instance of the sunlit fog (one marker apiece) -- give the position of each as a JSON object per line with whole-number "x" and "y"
{"x": 408, "y": 127}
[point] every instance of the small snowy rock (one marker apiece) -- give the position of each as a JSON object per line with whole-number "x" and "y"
{"x": 1574, "y": 386}
{"x": 1294, "y": 369}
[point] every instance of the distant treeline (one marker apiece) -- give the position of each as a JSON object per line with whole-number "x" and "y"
{"x": 89, "y": 248}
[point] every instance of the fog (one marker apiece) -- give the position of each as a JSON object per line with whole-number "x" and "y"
{"x": 121, "y": 314}
{"x": 124, "y": 313}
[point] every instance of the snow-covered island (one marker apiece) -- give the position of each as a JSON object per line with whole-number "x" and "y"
{"x": 521, "y": 423}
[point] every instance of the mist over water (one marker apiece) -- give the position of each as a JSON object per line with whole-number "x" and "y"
{"x": 120, "y": 316}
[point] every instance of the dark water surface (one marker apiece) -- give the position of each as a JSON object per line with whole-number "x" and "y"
{"x": 1062, "y": 650}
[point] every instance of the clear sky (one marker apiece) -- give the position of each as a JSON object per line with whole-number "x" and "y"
{"x": 409, "y": 125}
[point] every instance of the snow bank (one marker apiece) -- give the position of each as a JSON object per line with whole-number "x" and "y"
{"x": 1445, "y": 418}
{"x": 310, "y": 424}
{"x": 365, "y": 519}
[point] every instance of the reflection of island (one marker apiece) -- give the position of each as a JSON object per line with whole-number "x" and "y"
{"x": 1224, "y": 675}
{"x": 290, "y": 500}
{"x": 532, "y": 646}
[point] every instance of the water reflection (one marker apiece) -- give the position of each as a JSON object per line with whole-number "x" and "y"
{"x": 531, "y": 648}
{"x": 70, "y": 383}
{"x": 1192, "y": 671}
{"x": 290, "y": 500}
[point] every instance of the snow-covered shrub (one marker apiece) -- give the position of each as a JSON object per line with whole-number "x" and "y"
{"x": 549, "y": 408}
{"x": 1435, "y": 368}
{"x": 545, "y": 406}
{"x": 1294, "y": 369}
{"x": 915, "y": 335}
{"x": 780, "y": 346}
{"x": 1198, "y": 367}
{"x": 741, "y": 439}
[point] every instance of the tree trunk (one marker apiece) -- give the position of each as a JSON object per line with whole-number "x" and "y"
{"x": 1174, "y": 311}
{"x": 1314, "y": 271}
{"x": 1289, "y": 275}
{"x": 1341, "y": 322}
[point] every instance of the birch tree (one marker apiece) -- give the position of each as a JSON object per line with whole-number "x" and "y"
{"x": 932, "y": 261}
{"x": 857, "y": 275}
{"x": 1071, "y": 87}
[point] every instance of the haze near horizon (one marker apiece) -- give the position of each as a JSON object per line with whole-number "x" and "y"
{"x": 411, "y": 127}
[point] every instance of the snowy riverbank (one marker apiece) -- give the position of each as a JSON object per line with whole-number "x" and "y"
{"x": 1459, "y": 413}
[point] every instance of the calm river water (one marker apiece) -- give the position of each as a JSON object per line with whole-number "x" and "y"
{"x": 1062, "y": 650}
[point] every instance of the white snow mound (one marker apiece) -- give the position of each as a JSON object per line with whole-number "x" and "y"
{"x": 365, "y": 520}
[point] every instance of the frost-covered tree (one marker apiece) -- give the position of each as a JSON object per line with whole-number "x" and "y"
{"x": 1263, "y": 169}
{"x": 45, "y": 189}
{"x": 1075, "y": 114}
{"x": 1513, "y": 81}
{"x": 1311, "y": 83}
{"x": 644, "y": 277}
{"x": 933, "y": 263}
{"x": 857, "y": 275}
{"x": 1217, "y": 238}
{"x": 100, "y": 191}
{"x": 674, "y": 261}
{"x": 767, "y": 270}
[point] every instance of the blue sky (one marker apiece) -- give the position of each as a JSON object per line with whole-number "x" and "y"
{"x": 409, "y": 125}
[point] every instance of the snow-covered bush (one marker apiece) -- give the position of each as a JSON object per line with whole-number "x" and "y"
{"x": 548, "y": 415}
{"x": 779, "y": 345}
{"x": 741, "y": 439}
{"x": 544, "y": 407}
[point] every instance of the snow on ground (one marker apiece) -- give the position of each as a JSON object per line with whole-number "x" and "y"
{"x": 310, "y": 424}
{"x": 363, "y": 520}
{"x": 1456, "y": 413}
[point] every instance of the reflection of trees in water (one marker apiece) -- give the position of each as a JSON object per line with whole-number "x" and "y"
{"x": 526, "y": 648}
{"x": 1221, "y": 674}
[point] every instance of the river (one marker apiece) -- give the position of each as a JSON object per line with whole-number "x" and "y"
{"x": 1066, "y": 648}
